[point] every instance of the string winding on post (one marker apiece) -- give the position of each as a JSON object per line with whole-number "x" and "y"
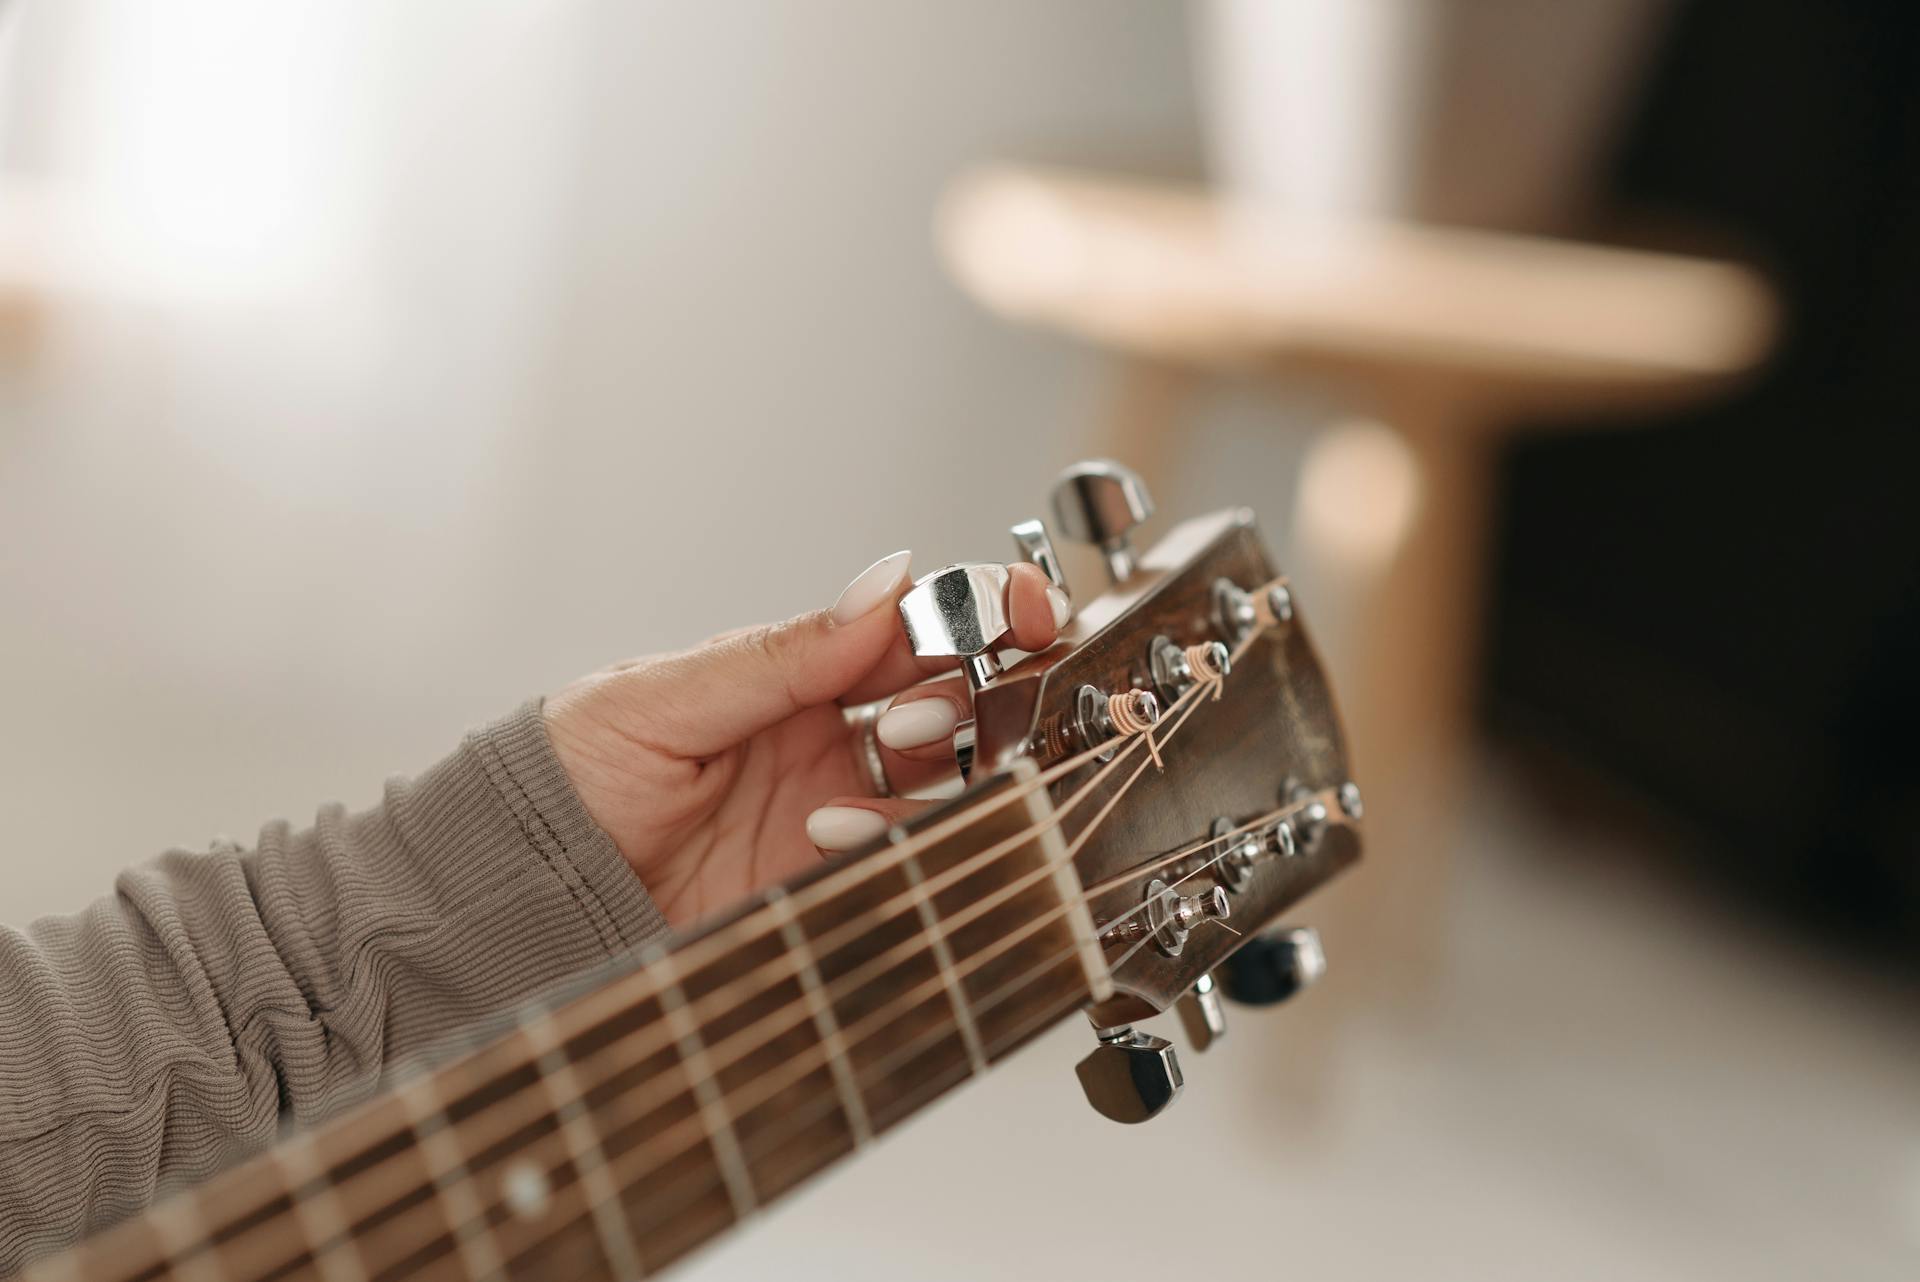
{"x": 1133, "y": 712}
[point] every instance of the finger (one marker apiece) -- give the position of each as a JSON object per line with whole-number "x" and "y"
{"x": 1036, "y": 612}
{"x": 847, "y": 822}
{"x": 707, "y": 699}
{"x": 919, "y": 724}
{"x": 913, "y": 739}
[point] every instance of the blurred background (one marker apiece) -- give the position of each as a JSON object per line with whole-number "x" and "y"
{"x": 367, "y": 368}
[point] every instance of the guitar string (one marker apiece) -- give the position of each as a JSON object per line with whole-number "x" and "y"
{"x": 958, "y": 822}
{"x": 1194, "y": 695}
{"x": 621, "y": 1045}
{"x": 824, "y": 1102}
{"x": 644, "y": 1153}
{"x": 213, "y": 1235}
{"x": 708, "y": 948}
{"x": 806, "y": 1062}
{"x": 651, "y": 1096}
{"x": 830, "y": 1097}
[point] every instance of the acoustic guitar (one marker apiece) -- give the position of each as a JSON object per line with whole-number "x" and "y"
{"x": 1143, "y": 801}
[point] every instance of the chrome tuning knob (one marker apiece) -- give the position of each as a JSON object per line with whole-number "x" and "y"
{"x": 1100, "y": 502}
{"x": 959, "y": 611}
{"x": 1036, "y": 548}
{"x": 1130, "y": 1076}
{"x": 1201, "y": 1013}
{"x": 1268, "y": 969}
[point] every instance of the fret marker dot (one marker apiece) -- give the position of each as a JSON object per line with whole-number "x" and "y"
{"x": 526, "y": 1189}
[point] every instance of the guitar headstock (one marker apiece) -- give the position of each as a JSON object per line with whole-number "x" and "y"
{"x": 1190, "y": 744}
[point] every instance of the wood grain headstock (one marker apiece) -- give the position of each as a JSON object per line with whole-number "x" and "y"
{"x": 1264, "y": 755}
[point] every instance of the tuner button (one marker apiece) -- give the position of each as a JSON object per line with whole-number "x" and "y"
{"x": 1100, "y": 502}
{"x": 1036, "y": 548}
{"x": 1202, "y": 1015}
{"x": 1171, "y": 916}
{"x": 959, "y": 611}
{"x": 1268, "y": 969}
{"x": 1190, "y": 910}
{"x": 1130, "y": 1076}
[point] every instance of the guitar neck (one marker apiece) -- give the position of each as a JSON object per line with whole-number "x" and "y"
{"x": 610, "y": 1136}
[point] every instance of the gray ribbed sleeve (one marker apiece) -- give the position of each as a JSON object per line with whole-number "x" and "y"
{"x": 178, "y": 1024}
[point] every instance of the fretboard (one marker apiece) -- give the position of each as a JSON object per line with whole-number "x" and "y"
{"x": 609, "y": 1136}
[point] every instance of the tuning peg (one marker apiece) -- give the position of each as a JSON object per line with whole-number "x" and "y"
{"x": 1100, "y": 502}
{"x": 1036, "y": 548}
{"x": 1169, "y": 917}
{"x": 1202, "y": 1015}
{"x": 1130, "y": 1076}
{"x": 1268, "y": 969}
{"x": 959, "y": 611}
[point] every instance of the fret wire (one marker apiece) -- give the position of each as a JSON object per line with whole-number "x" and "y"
{"x": 639, "y": 1043}
{"x": 693, "y": 1060}
{"x": 713, "y": 947}
{"x": 797, "y": 1119}
{"x": 452, "y": 1182}
{"x": 952, "y": 874}
{"x": 963, "y": 819}
{"x": 583, "y": 1145}
{"x": 907, "y": 948}
{"x": 924, "y": 1042}
{"x": 943, "y": 957}
{"x": 621, "y": 1044}
{"x": 825, "y": 1023}
{"x": 316, "y": 1208}
{"x": 458, "y": 1167}
{"x": 798, "y": 1067}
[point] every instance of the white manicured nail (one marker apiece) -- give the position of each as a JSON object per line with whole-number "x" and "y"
{"x": 916, "y": 723}
{"x": 875, "y": 584}
{"x": 1062, "y": 608}
{"x": 844, "y": 827}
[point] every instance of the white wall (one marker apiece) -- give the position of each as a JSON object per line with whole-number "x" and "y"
{"x": 415, "y": 358}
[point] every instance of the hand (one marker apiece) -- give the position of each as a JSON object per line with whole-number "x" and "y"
{"x": 725, "y": 768}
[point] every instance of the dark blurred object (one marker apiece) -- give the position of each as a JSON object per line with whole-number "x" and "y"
{"x": 1725, "y": 611}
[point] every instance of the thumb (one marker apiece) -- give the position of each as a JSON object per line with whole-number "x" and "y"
{"x": 709, "y": 698}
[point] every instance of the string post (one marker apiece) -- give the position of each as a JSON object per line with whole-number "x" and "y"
{"x": 1101, "y": 720}
{"x": 1176, "y": 669}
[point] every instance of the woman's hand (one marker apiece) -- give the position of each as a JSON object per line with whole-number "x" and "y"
{"x": 731, "y": 766}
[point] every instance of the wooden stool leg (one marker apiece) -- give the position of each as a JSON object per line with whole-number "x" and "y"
{"x": 1141, "y": 425}
{"x": 1399, "y": 629}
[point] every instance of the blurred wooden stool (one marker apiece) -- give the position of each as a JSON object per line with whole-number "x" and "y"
{"x": 24, "y": 232}
{"x": 1437, "y": 341}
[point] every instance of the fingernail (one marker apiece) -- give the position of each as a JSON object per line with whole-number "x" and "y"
{"x": 875, "y": 584}
{"x": 844, "y": 827}
{"x": 1062, "y": 607}
{"x": 916, "y": 723}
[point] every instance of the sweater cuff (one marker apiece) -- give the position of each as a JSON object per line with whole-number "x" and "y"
{"x": 521, "y": 765}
